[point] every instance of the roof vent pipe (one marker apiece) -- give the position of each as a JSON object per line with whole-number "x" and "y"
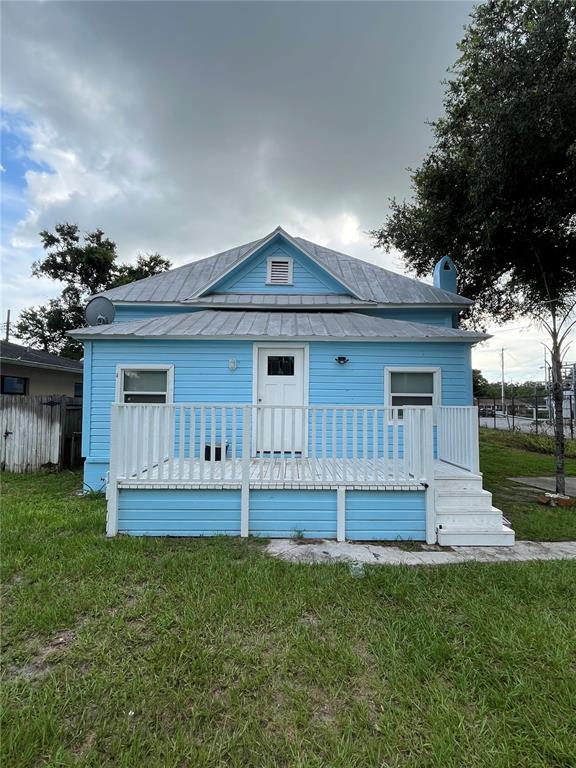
{"x": 445, "y": 275}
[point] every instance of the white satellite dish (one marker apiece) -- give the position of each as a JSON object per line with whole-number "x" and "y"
{"x": 99, "y": 311}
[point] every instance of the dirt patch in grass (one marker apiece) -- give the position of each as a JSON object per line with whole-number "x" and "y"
{"x": 42, "y": 661}
{"x": 81, "y": 749}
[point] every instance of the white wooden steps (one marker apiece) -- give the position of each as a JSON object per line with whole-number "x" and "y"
{"x": 465, "y": 515}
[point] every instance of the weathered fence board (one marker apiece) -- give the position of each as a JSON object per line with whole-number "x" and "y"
{"x": 38, "y": 431}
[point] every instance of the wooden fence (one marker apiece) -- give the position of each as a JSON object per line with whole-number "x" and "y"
{"x": 40, "y": 431}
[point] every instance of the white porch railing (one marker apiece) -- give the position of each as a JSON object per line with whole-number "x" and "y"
{"x": 207, "y": 444}
{"x": 457, "y": 436}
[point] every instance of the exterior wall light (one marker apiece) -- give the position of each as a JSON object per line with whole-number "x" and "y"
{"x": 342, "y": 360}
{"x": 232, "y": 364}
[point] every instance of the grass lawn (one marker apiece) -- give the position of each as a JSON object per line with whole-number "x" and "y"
{"x": 504, "y": 455}
{"x": 160, "y": 653}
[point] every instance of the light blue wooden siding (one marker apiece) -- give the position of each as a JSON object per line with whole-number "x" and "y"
{"x": 414, "y": 315}
{"x": 179, "y": 512}
{"x": 361, "y": 380}
{"x": 308, "y": 277}
{"x": 370, "y": 515}
{"x": 283, "y": 513}
{"x": 201, "y": 374}
{"x": 385, "y": 515}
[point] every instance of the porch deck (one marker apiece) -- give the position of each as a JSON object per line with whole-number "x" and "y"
{"x": 304, "y": 473}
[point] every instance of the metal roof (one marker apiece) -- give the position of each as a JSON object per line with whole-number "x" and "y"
{"x": 280, "y": 300}
{"x": 36, "y": 358}
{"x": 210, "y": 323}
{"x": 368, "y": 281}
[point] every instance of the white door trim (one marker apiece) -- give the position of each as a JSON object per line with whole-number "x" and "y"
{"x": 256, "y": 347}
{"x": 284, "y": 345}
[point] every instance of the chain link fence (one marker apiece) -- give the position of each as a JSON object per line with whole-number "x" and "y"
{"x": 524, "y": 414}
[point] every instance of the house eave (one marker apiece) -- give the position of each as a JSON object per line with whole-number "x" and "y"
{"x": 284, "y": 339}
{"x": 331, "y": 307}
{"x": 44, "y": 366}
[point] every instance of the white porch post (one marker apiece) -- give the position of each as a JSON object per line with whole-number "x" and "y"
{"x": 341, "y": 513}
{"x": 112, "y": 489}
{"x": 245, "y": 492}
{"x": 474, "y": 441}
{"x": 428, "y": 456}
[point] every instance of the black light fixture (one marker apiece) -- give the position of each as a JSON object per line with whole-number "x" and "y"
{"x": 342, "y": 360}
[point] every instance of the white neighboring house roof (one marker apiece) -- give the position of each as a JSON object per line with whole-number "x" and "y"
{"x": 365, "y": 281}
{"x": 314, "y": 326}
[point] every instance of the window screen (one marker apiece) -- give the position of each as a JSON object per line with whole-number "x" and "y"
{"x": 411, "y": 388}
{"x": 280, "y": 365}
{"x": 144, "y": 386}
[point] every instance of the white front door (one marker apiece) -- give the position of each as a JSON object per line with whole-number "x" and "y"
{"x": 280, "y": 382}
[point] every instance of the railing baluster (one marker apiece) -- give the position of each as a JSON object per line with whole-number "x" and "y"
{"x": 224, "y": 419}
{"x": 202, "y": 445}
{"x": 324, "y": 439}
{"x": 354, "y": 444}
{"x": 212, "y": 459}
{"x": 282, "y": 443}
{"x": 395, "y": 443}
{"x": 181, "y": 437}
{"x": 365, "y": 444}
{"x": 161, "y": 420}
{"x": 234, "y": 438}
{"x": 312, "y": 448}
{"x": 375, "y": 442}
{"x": 344, "y": 444}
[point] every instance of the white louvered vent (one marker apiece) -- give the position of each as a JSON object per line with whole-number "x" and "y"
{"x": 279, "y": 271}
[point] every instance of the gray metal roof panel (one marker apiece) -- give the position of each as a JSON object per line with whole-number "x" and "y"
{"x": 279, "y": 300}
{"x": 211, "y": 323}
{"x": 16, "y": 353}
{"x": 370, "y": 282}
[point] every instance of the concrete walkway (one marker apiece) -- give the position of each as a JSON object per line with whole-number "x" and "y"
{"x": 547, "y": 483}
{"x": 333, "y": 551}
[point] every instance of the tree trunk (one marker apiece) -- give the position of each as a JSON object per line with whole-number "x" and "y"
{"x": 558, "y": 400}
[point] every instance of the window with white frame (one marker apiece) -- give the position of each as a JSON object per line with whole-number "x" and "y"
{"x": 417, "y": 386}
{"x": 279, "y": 271}
{"x": 145, "y": 384}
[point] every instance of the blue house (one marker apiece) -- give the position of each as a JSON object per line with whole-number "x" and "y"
{"x": 281, "y": 388}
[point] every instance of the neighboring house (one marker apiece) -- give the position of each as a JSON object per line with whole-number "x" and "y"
{"x": 27, "y": 371}
{"x": 280, "y": 389}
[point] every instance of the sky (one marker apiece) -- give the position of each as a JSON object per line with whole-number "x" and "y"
{"x": 187, "y": 128}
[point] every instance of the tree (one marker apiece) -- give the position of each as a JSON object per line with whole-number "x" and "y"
{"x": 480, "y": 383}
{"x": 497, "y": 190}
{"x": 86, "y": 265}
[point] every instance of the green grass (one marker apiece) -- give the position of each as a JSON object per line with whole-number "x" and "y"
{"x": 504, "y": 455}
{"x": 165, "y": 653}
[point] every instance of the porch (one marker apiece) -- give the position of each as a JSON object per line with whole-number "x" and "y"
{"x": 412, "y": 461}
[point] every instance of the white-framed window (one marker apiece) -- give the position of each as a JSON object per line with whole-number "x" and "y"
{"x": 279, "y": 270}
{"x": 144, "y": 383}
{"x": 412, "y": 386}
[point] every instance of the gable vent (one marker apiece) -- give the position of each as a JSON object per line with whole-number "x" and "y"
{"x": 279, "y": 271}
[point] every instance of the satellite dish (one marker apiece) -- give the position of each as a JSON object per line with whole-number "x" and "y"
{"x": 99, "y": 311}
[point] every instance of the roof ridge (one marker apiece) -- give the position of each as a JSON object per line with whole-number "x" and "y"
{"x": 370, "y": 264}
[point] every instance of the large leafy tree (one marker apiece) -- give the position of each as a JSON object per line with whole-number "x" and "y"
{"x": 497, "y": 190}
{"x": 86, "y": 264}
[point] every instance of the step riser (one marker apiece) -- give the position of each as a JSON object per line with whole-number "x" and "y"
{"x": 464, "y": 506}
{"x": 470, "y": 538}
{"x": 456, "y": 486}
{"x": 470, "y": 521}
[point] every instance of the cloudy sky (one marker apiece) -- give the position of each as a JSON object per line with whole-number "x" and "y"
{"x": 187, "y": 128}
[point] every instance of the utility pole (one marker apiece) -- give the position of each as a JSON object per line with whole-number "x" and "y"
{"x": 7, "y": 336}
{"x": 502, "y": 365}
